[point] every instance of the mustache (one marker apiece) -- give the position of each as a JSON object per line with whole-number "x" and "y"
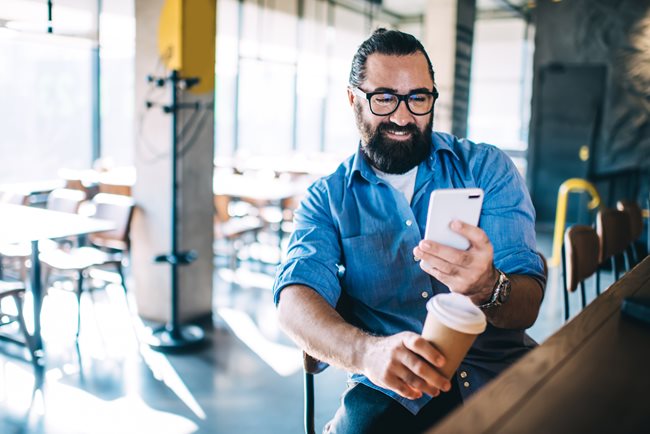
{"x": 391, "y": 126}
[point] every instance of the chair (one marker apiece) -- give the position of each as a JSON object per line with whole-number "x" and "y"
{"x": 65, "y": 200}
{"x": 16, "y": 291}
{"x": 580, "y": 260}
{"x": 13, "y": 197}
{"x": 61, "y": 199}
{"x": 231, "y": 230}
{"x": 613, "y": 229}
{"x": 635, "y": 217}
{"x": 107, "y": 248}
{"x": 312, "y": 366}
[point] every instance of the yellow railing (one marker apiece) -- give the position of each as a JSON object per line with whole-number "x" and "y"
{"x": 569, "y": 186}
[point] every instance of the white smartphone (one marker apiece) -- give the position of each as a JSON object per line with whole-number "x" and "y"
{"x": 445, "y": 205}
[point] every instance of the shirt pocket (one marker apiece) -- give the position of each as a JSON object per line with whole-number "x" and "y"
{"x": 375, "y": 269}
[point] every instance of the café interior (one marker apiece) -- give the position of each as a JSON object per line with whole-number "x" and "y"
{"x": 153, "y": 153}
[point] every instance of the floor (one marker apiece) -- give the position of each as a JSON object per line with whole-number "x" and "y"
{"x": 247, "y": 379}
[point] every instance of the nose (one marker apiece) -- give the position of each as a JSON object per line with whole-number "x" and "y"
{"x": 402, "y": 116}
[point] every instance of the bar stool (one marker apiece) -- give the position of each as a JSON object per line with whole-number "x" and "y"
{"x": 613, "y": 229}
{"x": 635, "y": 217}
{"x": 580, "y": 260}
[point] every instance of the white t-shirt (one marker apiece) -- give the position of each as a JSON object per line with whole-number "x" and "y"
{"x": 404, "y": 182}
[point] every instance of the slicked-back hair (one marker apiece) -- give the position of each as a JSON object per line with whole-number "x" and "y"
{"x": 388, "y": 42}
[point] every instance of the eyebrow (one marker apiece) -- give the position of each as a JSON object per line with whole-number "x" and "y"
{"x": 391, "y": 90}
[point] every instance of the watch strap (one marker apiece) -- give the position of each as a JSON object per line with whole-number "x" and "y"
{"x": 499, "y": 286}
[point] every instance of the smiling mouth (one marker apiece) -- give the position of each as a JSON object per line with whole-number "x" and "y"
{"x": 401, "y": 134}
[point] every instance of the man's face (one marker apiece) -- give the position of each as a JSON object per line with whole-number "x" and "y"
{"x": 397, "y": 142}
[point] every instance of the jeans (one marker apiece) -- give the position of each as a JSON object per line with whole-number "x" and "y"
{"x": 365, "y": 410}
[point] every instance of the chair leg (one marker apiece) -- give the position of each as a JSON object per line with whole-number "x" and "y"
{"x": 309, "y": 403}
{"x": 565, "y": 289}
{"x": 120, "y": 271}
{"x": 628, "y": 255}
{"x": 615, "y": 268}
{"x": 597, "y": 281}
{"x": 80, "y": 285}
{"x": 582, "y": 294}
{"x": 23, "y": 329}
{"x": 631, "y": 257}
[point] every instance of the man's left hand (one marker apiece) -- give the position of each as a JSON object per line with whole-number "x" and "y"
{"x": 469, "y": 272}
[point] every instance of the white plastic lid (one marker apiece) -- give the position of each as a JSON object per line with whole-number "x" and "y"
{"x": 457, "y": 312}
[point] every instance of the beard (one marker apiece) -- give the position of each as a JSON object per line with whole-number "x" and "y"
{"x": 394, "y": 156}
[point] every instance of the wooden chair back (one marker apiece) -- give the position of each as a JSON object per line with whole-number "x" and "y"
{"x": 635, "y": 218}
{"x": 613, "y": 229}
{"x": 119, "y": 210}
{"x": 582, "y": 254}
{"x": 65, "y": 200}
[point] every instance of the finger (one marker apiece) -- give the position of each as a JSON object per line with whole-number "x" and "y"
{"x": 454, "y": 256}
{"x": 422, "y": 376}
{"x": 435, "y": 264}
{"x": 455, "y": 282}
{"x": 476, "y": 236}
{"x": 424, "y": 349}
{"x": 416, "y": 382}
{"x": 435, "y": 273}
{"x": 402, "y": 387}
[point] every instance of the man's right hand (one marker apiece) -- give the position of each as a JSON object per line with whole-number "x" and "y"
{"x": 406, "y": 364}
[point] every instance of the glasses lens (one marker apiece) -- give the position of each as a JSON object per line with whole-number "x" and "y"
{"x": 383, "y": 103}
{"x": 420, "y": 103}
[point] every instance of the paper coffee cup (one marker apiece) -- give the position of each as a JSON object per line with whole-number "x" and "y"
{"x": 452, "y": 324}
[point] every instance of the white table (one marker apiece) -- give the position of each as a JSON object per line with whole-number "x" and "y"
{"x": 27, "y": 224}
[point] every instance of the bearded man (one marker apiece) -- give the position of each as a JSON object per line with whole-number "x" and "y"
{"x": 358, "y": 237}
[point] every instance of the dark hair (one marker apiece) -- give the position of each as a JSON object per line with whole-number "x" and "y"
{"x": 389, "y": 42}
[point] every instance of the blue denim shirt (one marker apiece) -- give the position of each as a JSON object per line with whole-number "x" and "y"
{"x": 354, "y": 234}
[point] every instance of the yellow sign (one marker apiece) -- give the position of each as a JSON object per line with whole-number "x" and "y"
{"x": 186, "y": 40}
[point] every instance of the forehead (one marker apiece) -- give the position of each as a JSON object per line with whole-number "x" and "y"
{"x": 402, "y": 73}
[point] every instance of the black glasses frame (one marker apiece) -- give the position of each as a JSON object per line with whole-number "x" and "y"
{"x": 400, "y": 98}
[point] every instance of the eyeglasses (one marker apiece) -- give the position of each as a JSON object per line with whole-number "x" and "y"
{"x": 384, "y": 103}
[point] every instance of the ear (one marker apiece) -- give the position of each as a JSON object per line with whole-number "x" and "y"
{"x": 351, "y": 97}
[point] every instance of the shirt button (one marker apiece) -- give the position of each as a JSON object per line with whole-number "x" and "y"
{"x": 425, "y": 294}
{"x": 409, "y": 222}
{"x": 466, "y": 384}
{"x": 463, "y": 374}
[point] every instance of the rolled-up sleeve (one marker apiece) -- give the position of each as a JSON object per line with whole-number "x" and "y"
{"x": 314, "y": 253}
{"x": 508, "y": 215}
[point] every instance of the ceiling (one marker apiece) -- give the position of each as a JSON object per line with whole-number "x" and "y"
{"x": 416, "y": 7}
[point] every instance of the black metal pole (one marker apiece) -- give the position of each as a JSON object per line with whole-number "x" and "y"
{"x": 173, "y": 336}
{"x": 49, "y": 16}
{"x": 174, "y": 222}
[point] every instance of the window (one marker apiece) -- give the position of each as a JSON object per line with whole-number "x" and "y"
{"x": 501, "y": 86}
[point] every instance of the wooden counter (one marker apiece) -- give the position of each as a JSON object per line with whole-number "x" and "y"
{"x": 592, "y": 376}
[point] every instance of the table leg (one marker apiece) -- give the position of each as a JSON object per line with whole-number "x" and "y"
{"x": 36, "y": 287}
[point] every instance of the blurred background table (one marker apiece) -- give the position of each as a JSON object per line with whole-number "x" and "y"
{"x": 28, "y": 224}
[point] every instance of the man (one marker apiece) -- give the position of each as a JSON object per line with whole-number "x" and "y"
{"x": 358, "y": 237}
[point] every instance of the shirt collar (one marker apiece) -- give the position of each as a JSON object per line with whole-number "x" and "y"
{"x": 441, "y": 143}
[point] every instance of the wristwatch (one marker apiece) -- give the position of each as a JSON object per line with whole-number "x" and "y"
{"x": 500, "y": 293}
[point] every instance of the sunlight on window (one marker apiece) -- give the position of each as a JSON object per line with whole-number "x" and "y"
{"x": 501, "y": 85}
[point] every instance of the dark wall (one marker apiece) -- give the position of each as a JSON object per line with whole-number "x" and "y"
{"x": 616, "y": 35}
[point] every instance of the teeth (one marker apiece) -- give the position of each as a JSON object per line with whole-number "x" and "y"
{"x": 399, "y": 133}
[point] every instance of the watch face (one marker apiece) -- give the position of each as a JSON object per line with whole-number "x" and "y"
{"x": 504, "y": 294}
